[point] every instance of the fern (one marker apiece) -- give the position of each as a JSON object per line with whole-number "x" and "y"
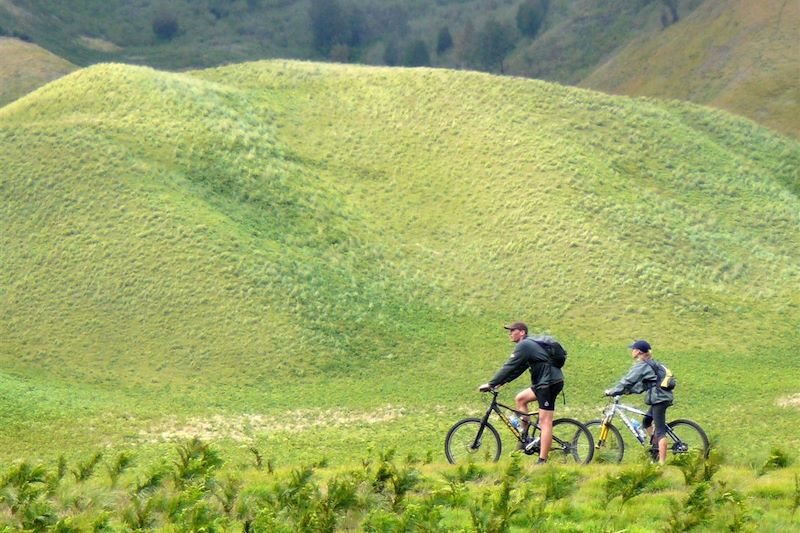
{"x": 258, "y": 457}
{"x": 696, "y": 468}
{"x": 196, "y": 460}
{"x": 140, "y": 513}
{"x": 559, "y": 484}
{"x": 694, "y": 511}
{"x": 85, "y": 470}
{"x": 154, "y": 479}
{"x": 777, "y": 459}
{"x": 631, "y": 482}
{"x": 123, "y": 461}
{"x": 227, "y": 491}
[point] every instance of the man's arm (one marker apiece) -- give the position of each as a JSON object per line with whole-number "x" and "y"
{"x": 514, "y": 367}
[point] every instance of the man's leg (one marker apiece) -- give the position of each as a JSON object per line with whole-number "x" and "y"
{"x": 522, "y": 399}
{"x": 547, "y": 409}
{"x": 546, "y": 423}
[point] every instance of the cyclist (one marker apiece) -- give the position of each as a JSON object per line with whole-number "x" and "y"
{"x": 546, "y": 382}
{"x": 640, "y": 378}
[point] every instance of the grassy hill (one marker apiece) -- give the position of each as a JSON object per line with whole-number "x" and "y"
{"x": 281, "y": 251}
{"x": 739, "y": 56}
{"x": 25, "y": 66}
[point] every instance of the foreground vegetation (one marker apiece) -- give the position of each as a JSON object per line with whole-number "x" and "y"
{"x": 194, "y": 488}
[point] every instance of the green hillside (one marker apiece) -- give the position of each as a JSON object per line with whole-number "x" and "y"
{"x": 240, "y": 250}
{"x": 25, "y": 66}
{"x": 739, "y": 56}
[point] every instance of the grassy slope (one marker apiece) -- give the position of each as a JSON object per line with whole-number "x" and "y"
{"x": 739, "y": 56}
{"x": 229, "y": 240}
{"x": 25, "y": 66}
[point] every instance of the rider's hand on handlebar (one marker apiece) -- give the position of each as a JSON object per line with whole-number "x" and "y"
{"x": 485, "y": 387}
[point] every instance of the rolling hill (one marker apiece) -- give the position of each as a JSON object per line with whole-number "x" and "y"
{"x": 739, "y": 56}
{"x": 343, "y": 243}
{"x": 25, "y": 67}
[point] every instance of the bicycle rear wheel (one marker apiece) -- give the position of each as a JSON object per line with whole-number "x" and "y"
{"x": 609, "y": 449}
{"x": 691, "y": 438}
{"x": 572, "y": 442}
{"x": 462, "y": 444}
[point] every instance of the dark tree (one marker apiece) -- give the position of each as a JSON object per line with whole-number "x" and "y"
{"x": 465, "y": 47}
{"x": 165, "y": 25}
{"x": 672, "y": 5}
{"x": 327, "y": 24}
{"x": 391, "y": 55}
{"x": 444, "y": 41}
{"x": 332, "y": 25}
{"x": 492, "y": 43}
{"x": 387, "y": 21}
{"x": 417, "y": 55}
{"x": 530, "y": 16}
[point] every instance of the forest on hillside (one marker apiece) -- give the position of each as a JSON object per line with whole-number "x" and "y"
{"x": 549, "y": 39}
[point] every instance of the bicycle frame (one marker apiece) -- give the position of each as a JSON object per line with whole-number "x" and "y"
{"x": 497, "y": 407}
{"x": 618, "y": 408}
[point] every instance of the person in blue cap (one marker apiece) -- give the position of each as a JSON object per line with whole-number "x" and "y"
{"x": 642, "y": 377}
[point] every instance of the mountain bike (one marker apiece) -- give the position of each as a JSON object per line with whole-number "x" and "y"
{"x": 683, "y": 436}
{"x": 476, "y": 439}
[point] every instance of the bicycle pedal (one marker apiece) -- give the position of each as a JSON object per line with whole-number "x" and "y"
{"x": 532, "y": 445}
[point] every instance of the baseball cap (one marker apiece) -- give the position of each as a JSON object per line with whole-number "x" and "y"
{"x": 642, "y": 346}
{"x": 517, "y": 325}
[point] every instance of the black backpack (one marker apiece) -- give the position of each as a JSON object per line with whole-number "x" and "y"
{"x": 666, "y": 379}
{"x": 556, "y": 352}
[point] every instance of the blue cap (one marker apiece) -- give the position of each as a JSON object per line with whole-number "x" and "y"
{"x": 642, "y": 346}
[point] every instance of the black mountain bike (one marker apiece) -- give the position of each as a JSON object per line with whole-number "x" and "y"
{"x": 475, "y": 439}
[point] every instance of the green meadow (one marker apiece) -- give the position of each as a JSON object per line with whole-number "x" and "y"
{"x": 314, "y": 261}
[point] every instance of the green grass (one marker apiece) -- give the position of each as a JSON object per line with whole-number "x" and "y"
{"x": 273, "y": 252}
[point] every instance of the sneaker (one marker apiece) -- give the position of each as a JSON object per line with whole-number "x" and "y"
{"x": 541, "y": 461}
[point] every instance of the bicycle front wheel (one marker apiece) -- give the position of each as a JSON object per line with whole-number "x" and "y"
{"x": 463, "y": 443}
{"x": 608, "y": 448}
{"x": 691, "y": 438}
{"x": 572, "y": 442}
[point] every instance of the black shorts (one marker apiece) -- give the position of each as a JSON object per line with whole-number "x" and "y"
{"x": 658, "y": 414}
{"x": 546, "y": 395}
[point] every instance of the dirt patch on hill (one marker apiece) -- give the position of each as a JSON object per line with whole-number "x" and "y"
{"x": 245, "y": 427}
{"x": 101, "y": 45}
{"x": 792, "y": 400}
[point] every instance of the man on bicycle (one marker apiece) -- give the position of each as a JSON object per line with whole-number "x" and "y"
{"x": 546, "y": 382}
{"x": 642, "y": 377}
